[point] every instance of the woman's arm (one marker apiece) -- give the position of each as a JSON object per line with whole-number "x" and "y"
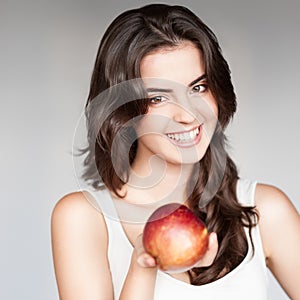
{"x": 280, "y": 229}
{"x": 141, "y": 277}
{"x": 79, "y": 246}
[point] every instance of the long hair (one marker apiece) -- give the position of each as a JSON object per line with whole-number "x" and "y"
{"x": 131, "y": 36}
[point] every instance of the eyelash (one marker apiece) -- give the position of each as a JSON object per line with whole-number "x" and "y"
{"x": 197, "y": 88}
{"x": 162, "y": 99}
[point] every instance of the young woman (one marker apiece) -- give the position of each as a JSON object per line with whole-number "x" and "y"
{"x": 160, "y": 97}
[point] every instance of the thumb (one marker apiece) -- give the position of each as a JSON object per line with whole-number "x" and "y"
{"x": 142, "y": 257}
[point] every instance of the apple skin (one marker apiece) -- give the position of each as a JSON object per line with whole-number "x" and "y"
{"x": 175, "y": 237}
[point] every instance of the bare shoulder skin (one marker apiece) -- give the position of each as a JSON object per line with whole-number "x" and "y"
{"x": 79, "y": 246}
{"x": 280, "y": 229}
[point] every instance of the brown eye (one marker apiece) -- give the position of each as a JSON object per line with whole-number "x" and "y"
{"x": 157, "y": 99}
{"x": 199, "y": 88}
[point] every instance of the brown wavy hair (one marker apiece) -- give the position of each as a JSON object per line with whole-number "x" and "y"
{"x": 131, "y": 36}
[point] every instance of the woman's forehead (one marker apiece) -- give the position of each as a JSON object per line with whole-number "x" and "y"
{"x": 179, "y": 64}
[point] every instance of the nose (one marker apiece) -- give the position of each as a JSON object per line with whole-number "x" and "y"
{"x": 182, "y": 115}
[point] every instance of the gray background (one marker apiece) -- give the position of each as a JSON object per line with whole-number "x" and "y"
{"x": 47, "y": 54}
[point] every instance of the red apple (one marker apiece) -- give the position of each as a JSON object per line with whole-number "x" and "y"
{"x": 175, "y": 237}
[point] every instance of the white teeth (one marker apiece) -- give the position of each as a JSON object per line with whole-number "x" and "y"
{"x": 183, "y": 137}
{"x": 186, "y": 136}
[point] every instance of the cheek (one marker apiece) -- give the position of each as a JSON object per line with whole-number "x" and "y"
{"x": 215, "y": 108}
{"x": 213, "y": 104}
{"x": 151, "y": 124}
{"x": 206, "y": 109}
{"x": 159, "y": 110}
{"x": 155, "y": 121}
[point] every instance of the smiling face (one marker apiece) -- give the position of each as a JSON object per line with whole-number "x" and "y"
{"x": 182, "y": 114}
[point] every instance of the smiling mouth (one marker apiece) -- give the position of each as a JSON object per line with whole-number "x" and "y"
{"x": 186, "y": 138}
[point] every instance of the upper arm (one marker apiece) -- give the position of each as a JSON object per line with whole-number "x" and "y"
{"x": 280, "y": 229}
{"x": 79, "y": 247}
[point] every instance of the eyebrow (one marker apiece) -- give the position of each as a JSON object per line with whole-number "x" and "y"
{"x": 162, "y": 90}
{"x": 203, "y": 76}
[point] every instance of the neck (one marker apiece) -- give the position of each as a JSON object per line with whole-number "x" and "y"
{"x": 155, "y": 180}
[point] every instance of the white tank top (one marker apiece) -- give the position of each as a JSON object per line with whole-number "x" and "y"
{"x": 248, "y": 281}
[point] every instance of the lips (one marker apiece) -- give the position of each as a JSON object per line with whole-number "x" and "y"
{"x": 186, "y": 138}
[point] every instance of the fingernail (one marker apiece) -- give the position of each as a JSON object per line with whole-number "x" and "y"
{"x": 150, "y": 262}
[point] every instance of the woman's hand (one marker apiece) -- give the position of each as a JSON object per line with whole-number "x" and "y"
{"x": 143, "y": 258}
{"x": 211, "y": 252}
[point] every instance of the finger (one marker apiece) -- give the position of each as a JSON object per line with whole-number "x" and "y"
{"x": 211, "y": 251}
{"x": 145, "y": 260}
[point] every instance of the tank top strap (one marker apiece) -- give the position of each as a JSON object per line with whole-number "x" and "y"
{"x": 245, "y": 191}
{"x": 101, "y": 200}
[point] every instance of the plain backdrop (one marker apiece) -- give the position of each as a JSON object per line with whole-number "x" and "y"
{"x": 47, "y": 55}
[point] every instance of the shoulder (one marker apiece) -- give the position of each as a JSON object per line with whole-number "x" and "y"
{"x": 79, "y": 248}
{"x": 79, "y": 199}
{"x": 76, "y": 218}
{"x": 77, "y": 206}
{"x": 279, "y": 224}
{"x": 273, "y": 202}
{"x": 277, "y": 214}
